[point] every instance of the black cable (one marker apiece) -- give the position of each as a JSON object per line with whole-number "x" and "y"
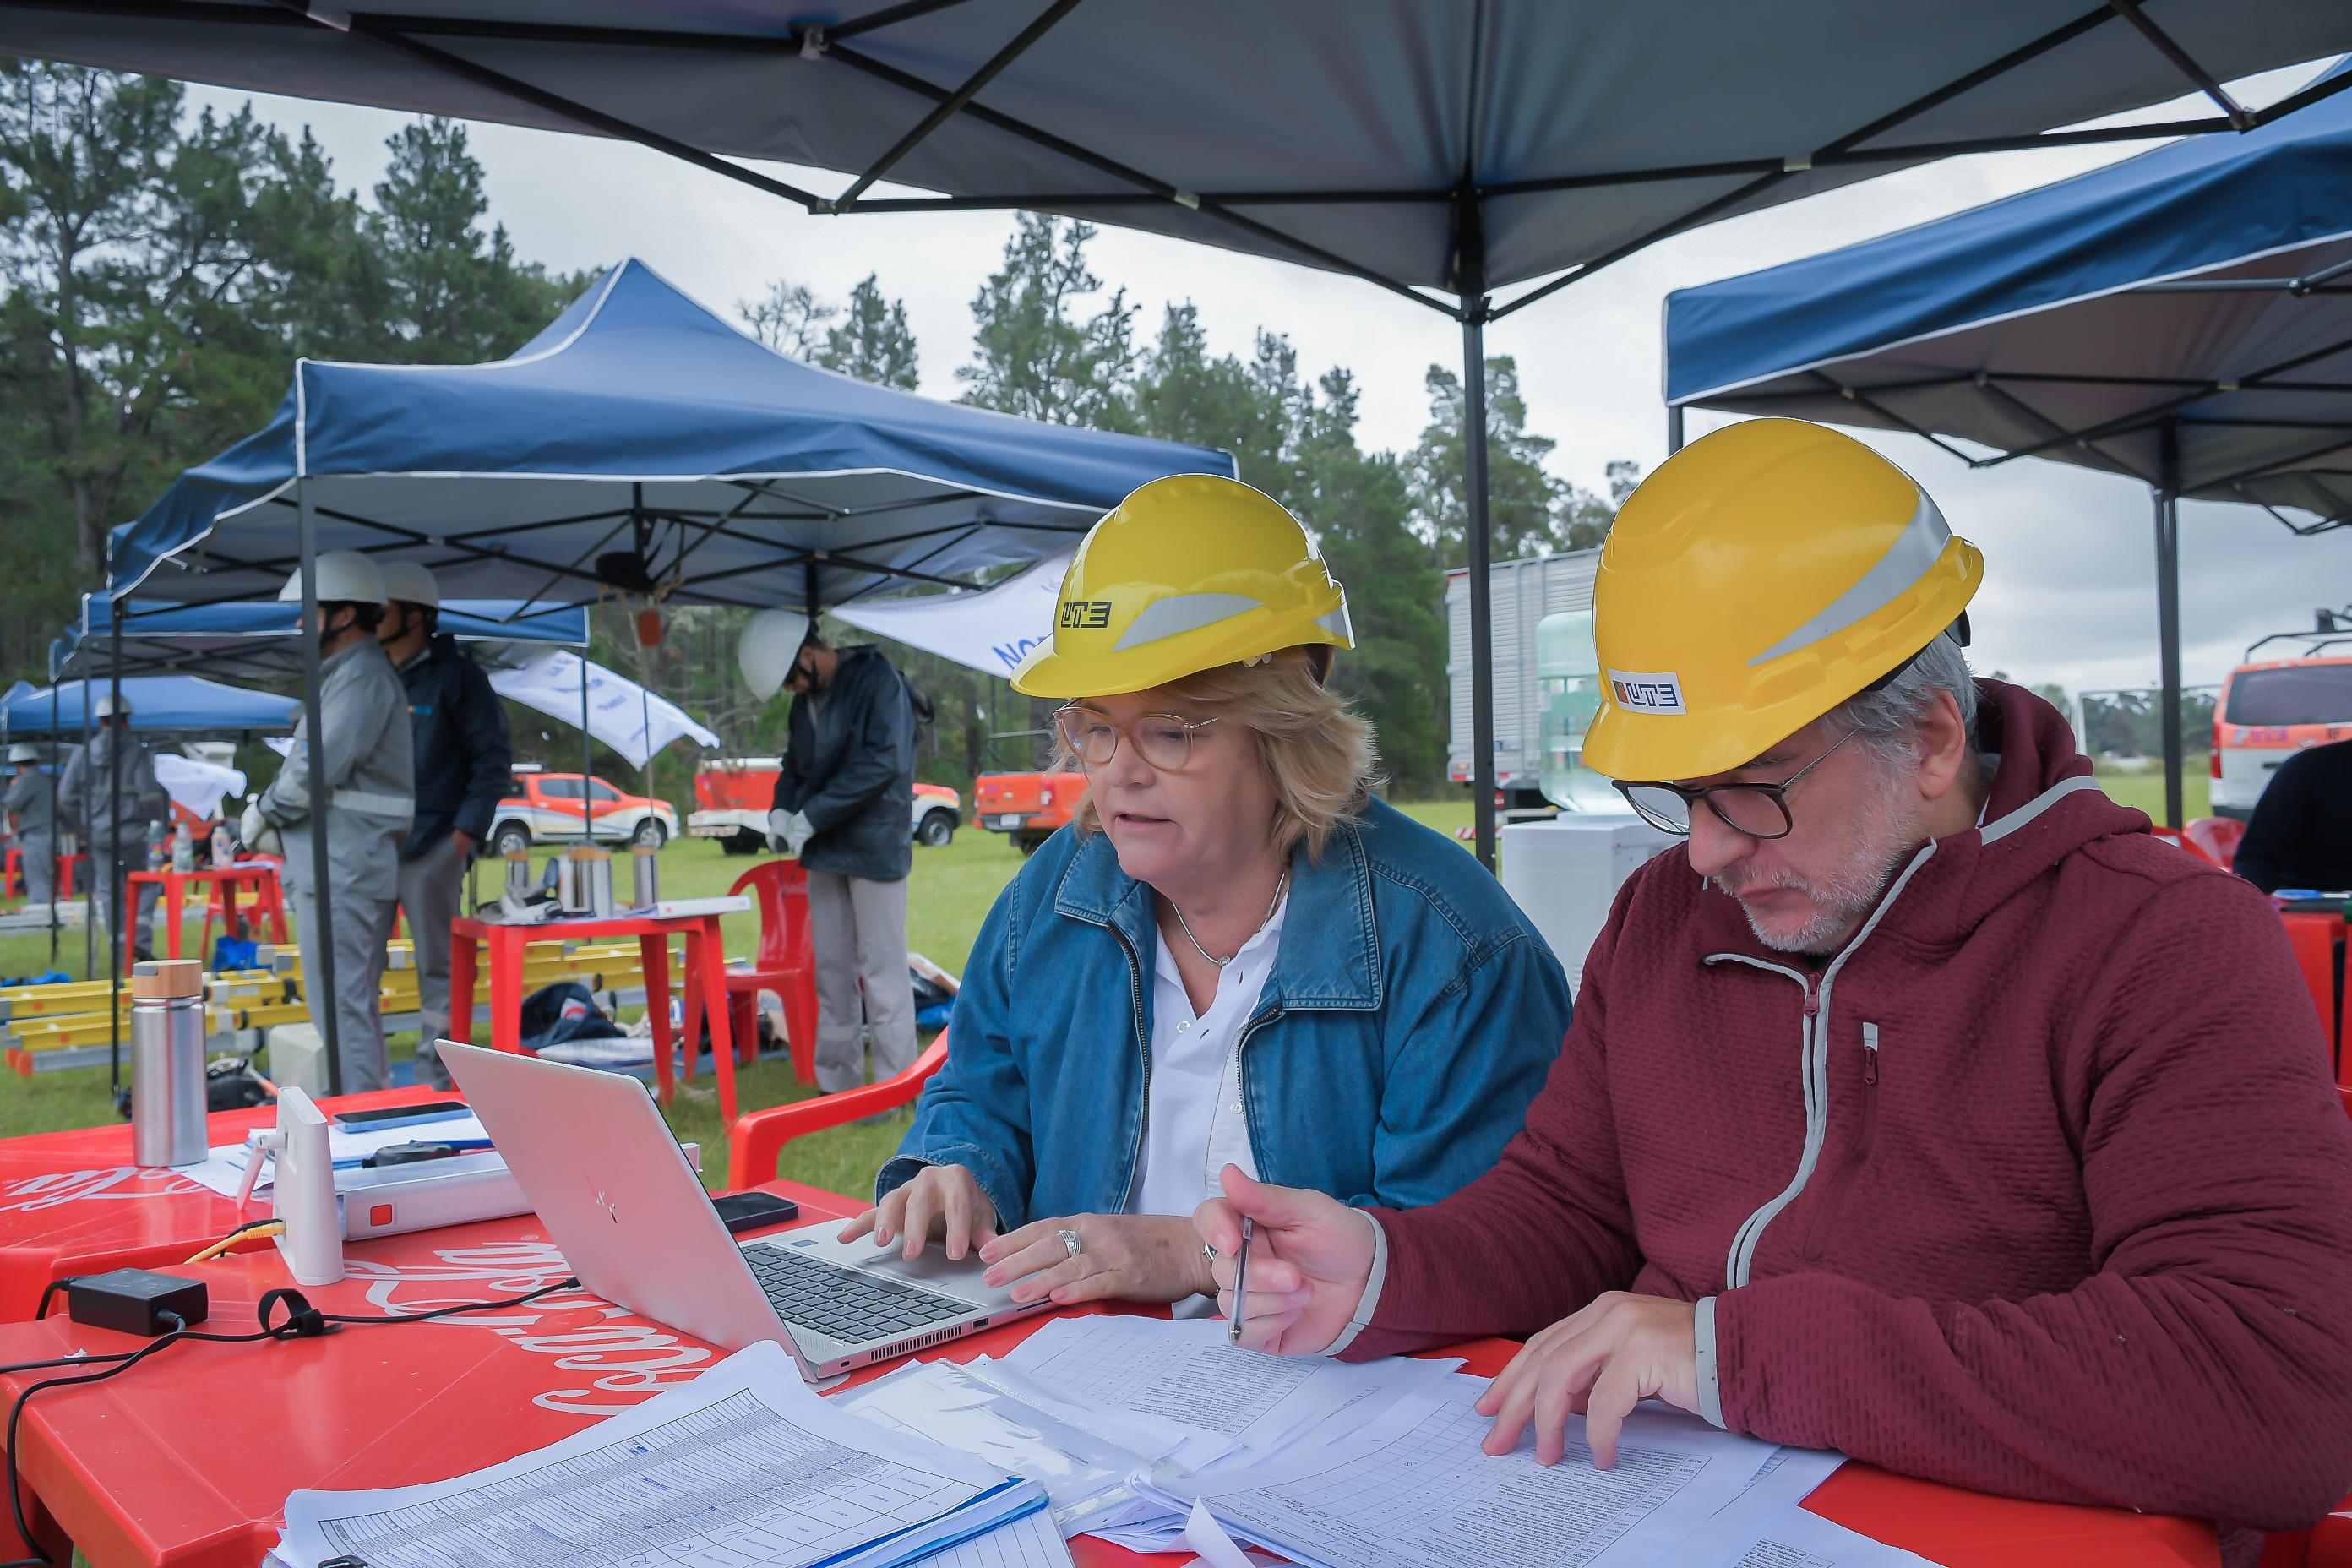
{"x": 303, "y": 1321}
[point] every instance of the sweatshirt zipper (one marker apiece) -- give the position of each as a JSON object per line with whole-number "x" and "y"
{"x": 1870, "y": 1055}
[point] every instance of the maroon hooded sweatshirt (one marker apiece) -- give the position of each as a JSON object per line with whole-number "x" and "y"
{"x": 2041, "y": 1186}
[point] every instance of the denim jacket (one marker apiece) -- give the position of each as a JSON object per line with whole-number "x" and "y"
{"x": 1410, "y": 1017}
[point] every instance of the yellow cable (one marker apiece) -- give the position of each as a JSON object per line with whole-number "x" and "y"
{"x": 257, "y": 1232}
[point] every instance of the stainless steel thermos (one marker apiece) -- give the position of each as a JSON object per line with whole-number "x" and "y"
{"x": 167, "y": 1062}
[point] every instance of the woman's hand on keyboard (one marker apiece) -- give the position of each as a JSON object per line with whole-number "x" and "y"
{"x": 1120, "y": 1257}
{"x": 943, "y": 1203}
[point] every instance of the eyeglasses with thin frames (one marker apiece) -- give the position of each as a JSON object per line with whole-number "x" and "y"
{"x": 1164, "y": 740}
{"x": 1756, "y": 810}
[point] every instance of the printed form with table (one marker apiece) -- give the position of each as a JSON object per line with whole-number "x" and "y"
{"x": 1157, "y": 1436}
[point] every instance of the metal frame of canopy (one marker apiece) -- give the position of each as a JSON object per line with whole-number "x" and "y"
{"x": 1128, "y": 186}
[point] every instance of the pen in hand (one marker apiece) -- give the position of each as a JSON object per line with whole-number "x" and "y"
{"x": 1241, "y": 1282}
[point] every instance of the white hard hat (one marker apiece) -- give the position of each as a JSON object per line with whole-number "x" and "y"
{"x": 410, "y": 583}
{"x": 345, "y": 578}
{"x": 107, "y": 705}
{"x": 22, "y": 751}
{"x": 769, "y": 644}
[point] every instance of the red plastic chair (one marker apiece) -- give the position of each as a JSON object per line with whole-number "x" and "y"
{"x": 2215, "y": 837}
{"x": 786, "y": 964}
{"x": 757, "y": 1138}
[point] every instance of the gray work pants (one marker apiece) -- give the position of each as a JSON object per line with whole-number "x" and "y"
{"x": 37, "y": 855}
{"x": 858, "y": 930}
{"x": 363, "y": 905}
{"x": 112, "y": 877}
{"x": 430, "y": 890}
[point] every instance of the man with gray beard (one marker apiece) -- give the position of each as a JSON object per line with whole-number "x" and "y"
{"x": 1945, "y": 1117}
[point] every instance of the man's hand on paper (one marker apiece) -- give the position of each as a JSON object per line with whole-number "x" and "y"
{"x": 1121, "y": 1257}
{"x": 943, "y": 1202}
{"x": 1597, "y": 1363}
{"x": 1309, "y": 1261}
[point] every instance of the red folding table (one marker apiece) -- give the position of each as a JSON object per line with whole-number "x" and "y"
{"x": 221, "y": 884}
{"x": 186, "y": 1460}
{"x": 706, "y": 981}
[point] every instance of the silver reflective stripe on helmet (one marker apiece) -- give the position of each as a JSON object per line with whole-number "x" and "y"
{"x": 1181, "y": 613}
{"x": 1910, "y": 558}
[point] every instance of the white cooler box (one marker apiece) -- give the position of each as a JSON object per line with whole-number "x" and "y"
{"x": 1565, "y": 872}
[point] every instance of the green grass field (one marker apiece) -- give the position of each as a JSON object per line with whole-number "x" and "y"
{"x": 951, "y": 893}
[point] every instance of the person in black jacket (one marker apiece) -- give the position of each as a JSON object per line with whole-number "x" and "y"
{"x": 464, "y": 765}
{"x": 2301, "y": 833}
{"x": 844, "y": 809}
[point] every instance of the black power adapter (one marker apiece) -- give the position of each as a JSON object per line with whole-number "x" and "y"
{"x": 136, "y": 1301}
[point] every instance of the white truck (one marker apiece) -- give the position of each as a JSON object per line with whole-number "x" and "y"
{"x": 1524, "y": 593}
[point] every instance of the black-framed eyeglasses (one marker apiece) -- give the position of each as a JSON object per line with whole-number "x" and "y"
{"x": 1757, "y": 810}
{"x": 1163, "y": 740}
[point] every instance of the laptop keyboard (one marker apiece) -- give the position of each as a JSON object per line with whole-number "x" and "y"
{"x": 852, "y": 1307}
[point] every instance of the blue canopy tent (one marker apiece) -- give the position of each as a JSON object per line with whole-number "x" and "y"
{"x": 640, "y": 445}
{"x": 175, "y": 703}
{"x": 2183, "y": 316}
{"x": 253, "y": 640}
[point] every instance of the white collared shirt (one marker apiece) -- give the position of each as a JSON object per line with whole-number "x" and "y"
{"x": 1193, "y": 1121}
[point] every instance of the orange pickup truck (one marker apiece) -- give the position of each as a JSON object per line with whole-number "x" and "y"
{"x": 1029, "y": 807}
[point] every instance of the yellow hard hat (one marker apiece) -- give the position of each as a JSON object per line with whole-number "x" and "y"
{"x": 1762, "y": 576}
{"x": 1186, "y": 574}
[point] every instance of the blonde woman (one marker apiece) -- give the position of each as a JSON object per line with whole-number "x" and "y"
{"x": 1233, "y": 955}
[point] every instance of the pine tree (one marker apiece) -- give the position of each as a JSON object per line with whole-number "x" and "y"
{"x": 1033, "y": 353}
{"x": 1520, "y": 495}
{"x": 874, "y": 342}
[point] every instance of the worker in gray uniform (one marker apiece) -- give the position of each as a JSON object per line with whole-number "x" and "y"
{"x": 465, "y": 765}
{"x": 116, "y": 806}
{"x": 365, "y": 744}
{"x": 32, "y": 817}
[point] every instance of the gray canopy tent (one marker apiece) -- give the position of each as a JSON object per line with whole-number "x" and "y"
{"x": 1439, "y": 151}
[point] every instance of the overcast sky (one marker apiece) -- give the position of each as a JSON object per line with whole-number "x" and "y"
{"x": 2069, "y": 593}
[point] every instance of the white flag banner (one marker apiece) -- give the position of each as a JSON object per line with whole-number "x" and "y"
{"x": 991, "y": 631}
{"x": 621, "y": 713}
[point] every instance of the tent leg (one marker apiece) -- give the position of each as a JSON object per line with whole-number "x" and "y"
{"x": 89, "y": 860}
{"x": 1674, "y": 431}
{"x": 320, "y": 966}
{"x": 587, "y": 740}
{"x": 115, "y": 886}
{"x": 1482, "y": 613}
{"x": 2167, "y": 631}
{"x": 56, "y": 823}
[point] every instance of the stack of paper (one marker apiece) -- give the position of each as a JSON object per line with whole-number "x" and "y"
{"x": 1160, "y": 1435}
{"x": 742, "y": 1466}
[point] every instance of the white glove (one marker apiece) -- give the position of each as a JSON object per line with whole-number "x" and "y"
{"x": 260, "y": 834}
{"x": 788, "y": 832}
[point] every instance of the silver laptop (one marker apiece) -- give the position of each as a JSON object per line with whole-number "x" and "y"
{"x": 608, "y": 1180}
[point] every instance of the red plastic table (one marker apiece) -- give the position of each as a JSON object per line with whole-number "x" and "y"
{"x": 705, "y": 981}
{"x": 187, "y": 1460}
{"x": 72, "y": 1203}
{"x": 221, "y": 884}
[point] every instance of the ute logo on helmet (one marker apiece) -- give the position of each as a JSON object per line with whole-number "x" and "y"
{"x": 1645, "y": 692}
{"x": 1094, "y": 614}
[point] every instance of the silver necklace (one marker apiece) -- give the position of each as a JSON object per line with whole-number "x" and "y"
{"x": 1185, "y": 927}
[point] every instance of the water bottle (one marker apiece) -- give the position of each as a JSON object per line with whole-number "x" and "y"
{"x": 184, "y": 848}
{"x": 224, "y": 854}
{"x": 155, "y": 844}
{"x": 167, "y": 1062}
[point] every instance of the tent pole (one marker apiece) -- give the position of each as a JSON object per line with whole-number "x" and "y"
{"x": 1482, "y": 613}
{"x": 1673, "y": 429}
{"x": 320, "y": 966}
{"x": 57, "y": 828}
{"x": 587, "y": 834}
{"x": 89, "y": 860}
{"x": 117, "y": 887}
{"x": 2167, "y": 616}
